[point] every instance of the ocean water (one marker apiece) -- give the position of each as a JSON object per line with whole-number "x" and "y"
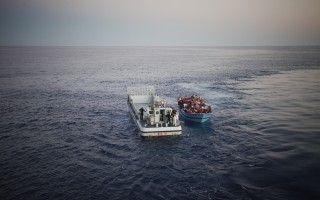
{"x": 66, "y": 133}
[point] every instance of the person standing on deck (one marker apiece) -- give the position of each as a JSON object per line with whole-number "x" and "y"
{"x": 141, "y": 113}
{"x": 168, "y": 117}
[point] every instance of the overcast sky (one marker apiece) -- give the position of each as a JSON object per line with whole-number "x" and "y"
{"x": 160, "y": 22}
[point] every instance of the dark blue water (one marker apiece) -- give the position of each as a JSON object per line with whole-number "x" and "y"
{"x": 65, "y": 131}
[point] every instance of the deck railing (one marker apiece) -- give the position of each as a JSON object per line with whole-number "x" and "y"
{"x": 144, "y": 90}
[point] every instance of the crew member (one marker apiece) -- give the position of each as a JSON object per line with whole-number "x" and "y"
{"x": 141, "y": 113}
{"x": 168, "y": 117}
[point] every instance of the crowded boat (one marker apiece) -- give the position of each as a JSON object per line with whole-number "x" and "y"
{"x": 193, "y": 104}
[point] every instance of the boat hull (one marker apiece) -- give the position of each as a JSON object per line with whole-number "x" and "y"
{"x": 195, "y": 117}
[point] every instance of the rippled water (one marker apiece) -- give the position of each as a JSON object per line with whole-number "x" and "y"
{"x": 65, "y": 131}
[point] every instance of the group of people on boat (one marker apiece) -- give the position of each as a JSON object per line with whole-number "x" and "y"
{"x": 171, "y": 117}
{"x": 193, "y": 104}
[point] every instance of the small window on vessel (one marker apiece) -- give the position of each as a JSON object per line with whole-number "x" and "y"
{"x": 157, "y": 112}
{"x": 151, "y": 112}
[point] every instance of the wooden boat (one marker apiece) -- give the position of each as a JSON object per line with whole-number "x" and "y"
{"x": 193, "y": 108}
{"x": 195, "y": 117}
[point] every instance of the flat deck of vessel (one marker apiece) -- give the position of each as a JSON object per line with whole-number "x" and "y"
{"x": 144, "y": 122}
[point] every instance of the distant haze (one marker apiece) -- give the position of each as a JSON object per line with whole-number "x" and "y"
{"x": 160, "y": 22}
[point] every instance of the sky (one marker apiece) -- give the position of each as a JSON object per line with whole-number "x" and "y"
{"x": 160, "y": 22}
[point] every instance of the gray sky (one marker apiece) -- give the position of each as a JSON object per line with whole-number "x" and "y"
{"x": 160, "y": 22}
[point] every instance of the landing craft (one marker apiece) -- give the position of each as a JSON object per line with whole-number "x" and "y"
{"x": 151, "y": 114}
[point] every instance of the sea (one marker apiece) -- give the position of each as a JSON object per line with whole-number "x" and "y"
{"x": 66, "y": 133}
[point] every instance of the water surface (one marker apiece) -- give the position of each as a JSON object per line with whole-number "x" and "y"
{"x": 66, "y": 133}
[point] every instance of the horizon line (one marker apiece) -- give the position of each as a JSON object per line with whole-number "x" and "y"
{"x": 302, "y": 45}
